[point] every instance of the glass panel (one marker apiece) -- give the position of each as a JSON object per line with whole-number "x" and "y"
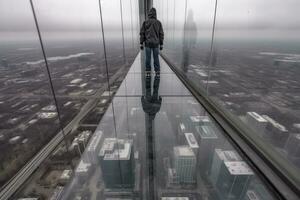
{"x": 255, "y": 71}
{"x": 155, "y": 141}
{"x": 129, "y": 23}
{"x": 28, "y": 116}
{"x": 73, "y": 47}
{"x": 74, "y": 51}
{"x": 248, "y": 67}
{"x": 112, "y": 22}
{"x": 175, "y": 33}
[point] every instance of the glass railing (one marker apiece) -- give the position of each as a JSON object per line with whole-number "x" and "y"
{"x": 55, "y": 74}
{"x": 244, "y": 57}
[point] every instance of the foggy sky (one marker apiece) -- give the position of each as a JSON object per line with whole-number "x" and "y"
{"x": 53, "y": 15}
{"x": 83, "y": 15}
{"x": 234, "y": 14}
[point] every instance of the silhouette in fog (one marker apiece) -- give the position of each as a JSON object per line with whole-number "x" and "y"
{"x": 189, "y": 39}
{"x": 152, "y": 36}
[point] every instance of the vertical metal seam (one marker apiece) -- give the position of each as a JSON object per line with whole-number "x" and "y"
{"x": 211, "y": 45}
{"x": 48, "y": 72}
{"x": 131, "y": 24}
{"x": 122, "y": 27}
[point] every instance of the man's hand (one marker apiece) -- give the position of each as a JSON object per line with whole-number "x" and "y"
{"x": 141, "y": 47}
{"x": 161, "y": 47}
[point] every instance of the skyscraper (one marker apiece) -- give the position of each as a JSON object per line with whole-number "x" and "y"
{"x": 219, "y": 158}
{"x": 234, "y": 179}
{"x": 208, "y": 142}
{"x": 117, "y": 163}
{"x": 184, "y": 164}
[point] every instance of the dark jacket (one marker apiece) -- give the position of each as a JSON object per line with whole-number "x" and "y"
{"x": 152, "y": 33}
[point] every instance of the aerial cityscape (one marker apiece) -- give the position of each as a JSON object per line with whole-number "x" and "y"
{"x": 81, "y": 119}
{"x": 29, "y": 117}
{"x": 258, "y": 86}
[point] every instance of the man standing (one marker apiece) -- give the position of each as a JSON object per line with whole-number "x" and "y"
{"x": 152, "y": 35}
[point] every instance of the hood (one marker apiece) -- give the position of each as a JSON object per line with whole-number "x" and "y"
{"x": 152, "y": 13}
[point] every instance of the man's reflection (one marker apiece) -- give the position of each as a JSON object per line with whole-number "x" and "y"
{"x": 189, "y": 39}
{"x": 151, "y": 103}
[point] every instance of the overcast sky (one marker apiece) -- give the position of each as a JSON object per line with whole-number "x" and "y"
{"x": 235, "y": 13}
{"x": 83, "y": 15}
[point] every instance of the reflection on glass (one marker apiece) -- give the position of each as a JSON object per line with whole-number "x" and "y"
{"x": 249, "y": 65}
{"x": 256, "y": 68}
{"x": 189, "y": 39}
{"x": 151, "y": 102}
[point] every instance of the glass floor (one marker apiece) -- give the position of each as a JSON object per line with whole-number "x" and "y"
{"x": 156, "y": 141}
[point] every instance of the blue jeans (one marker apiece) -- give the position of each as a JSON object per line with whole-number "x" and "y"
{"x": 155, "y": 58}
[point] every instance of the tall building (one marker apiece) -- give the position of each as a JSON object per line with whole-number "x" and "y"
{"x": 184, "y": 164}
{"x": 230, "y": 175}
{"x": 117, "y": 163}
{"x": 93, "y": 147}
{"x": 208, "y": 142}
{"x": 219, "y": 158}
{"x": 191, "y": 140}
{"x": 234, "y": 179}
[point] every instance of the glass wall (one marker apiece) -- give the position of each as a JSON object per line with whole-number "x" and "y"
{"x": 48, "y": 101}
{"x": 28, "y": 116}
{"x": 244, "y": 57}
